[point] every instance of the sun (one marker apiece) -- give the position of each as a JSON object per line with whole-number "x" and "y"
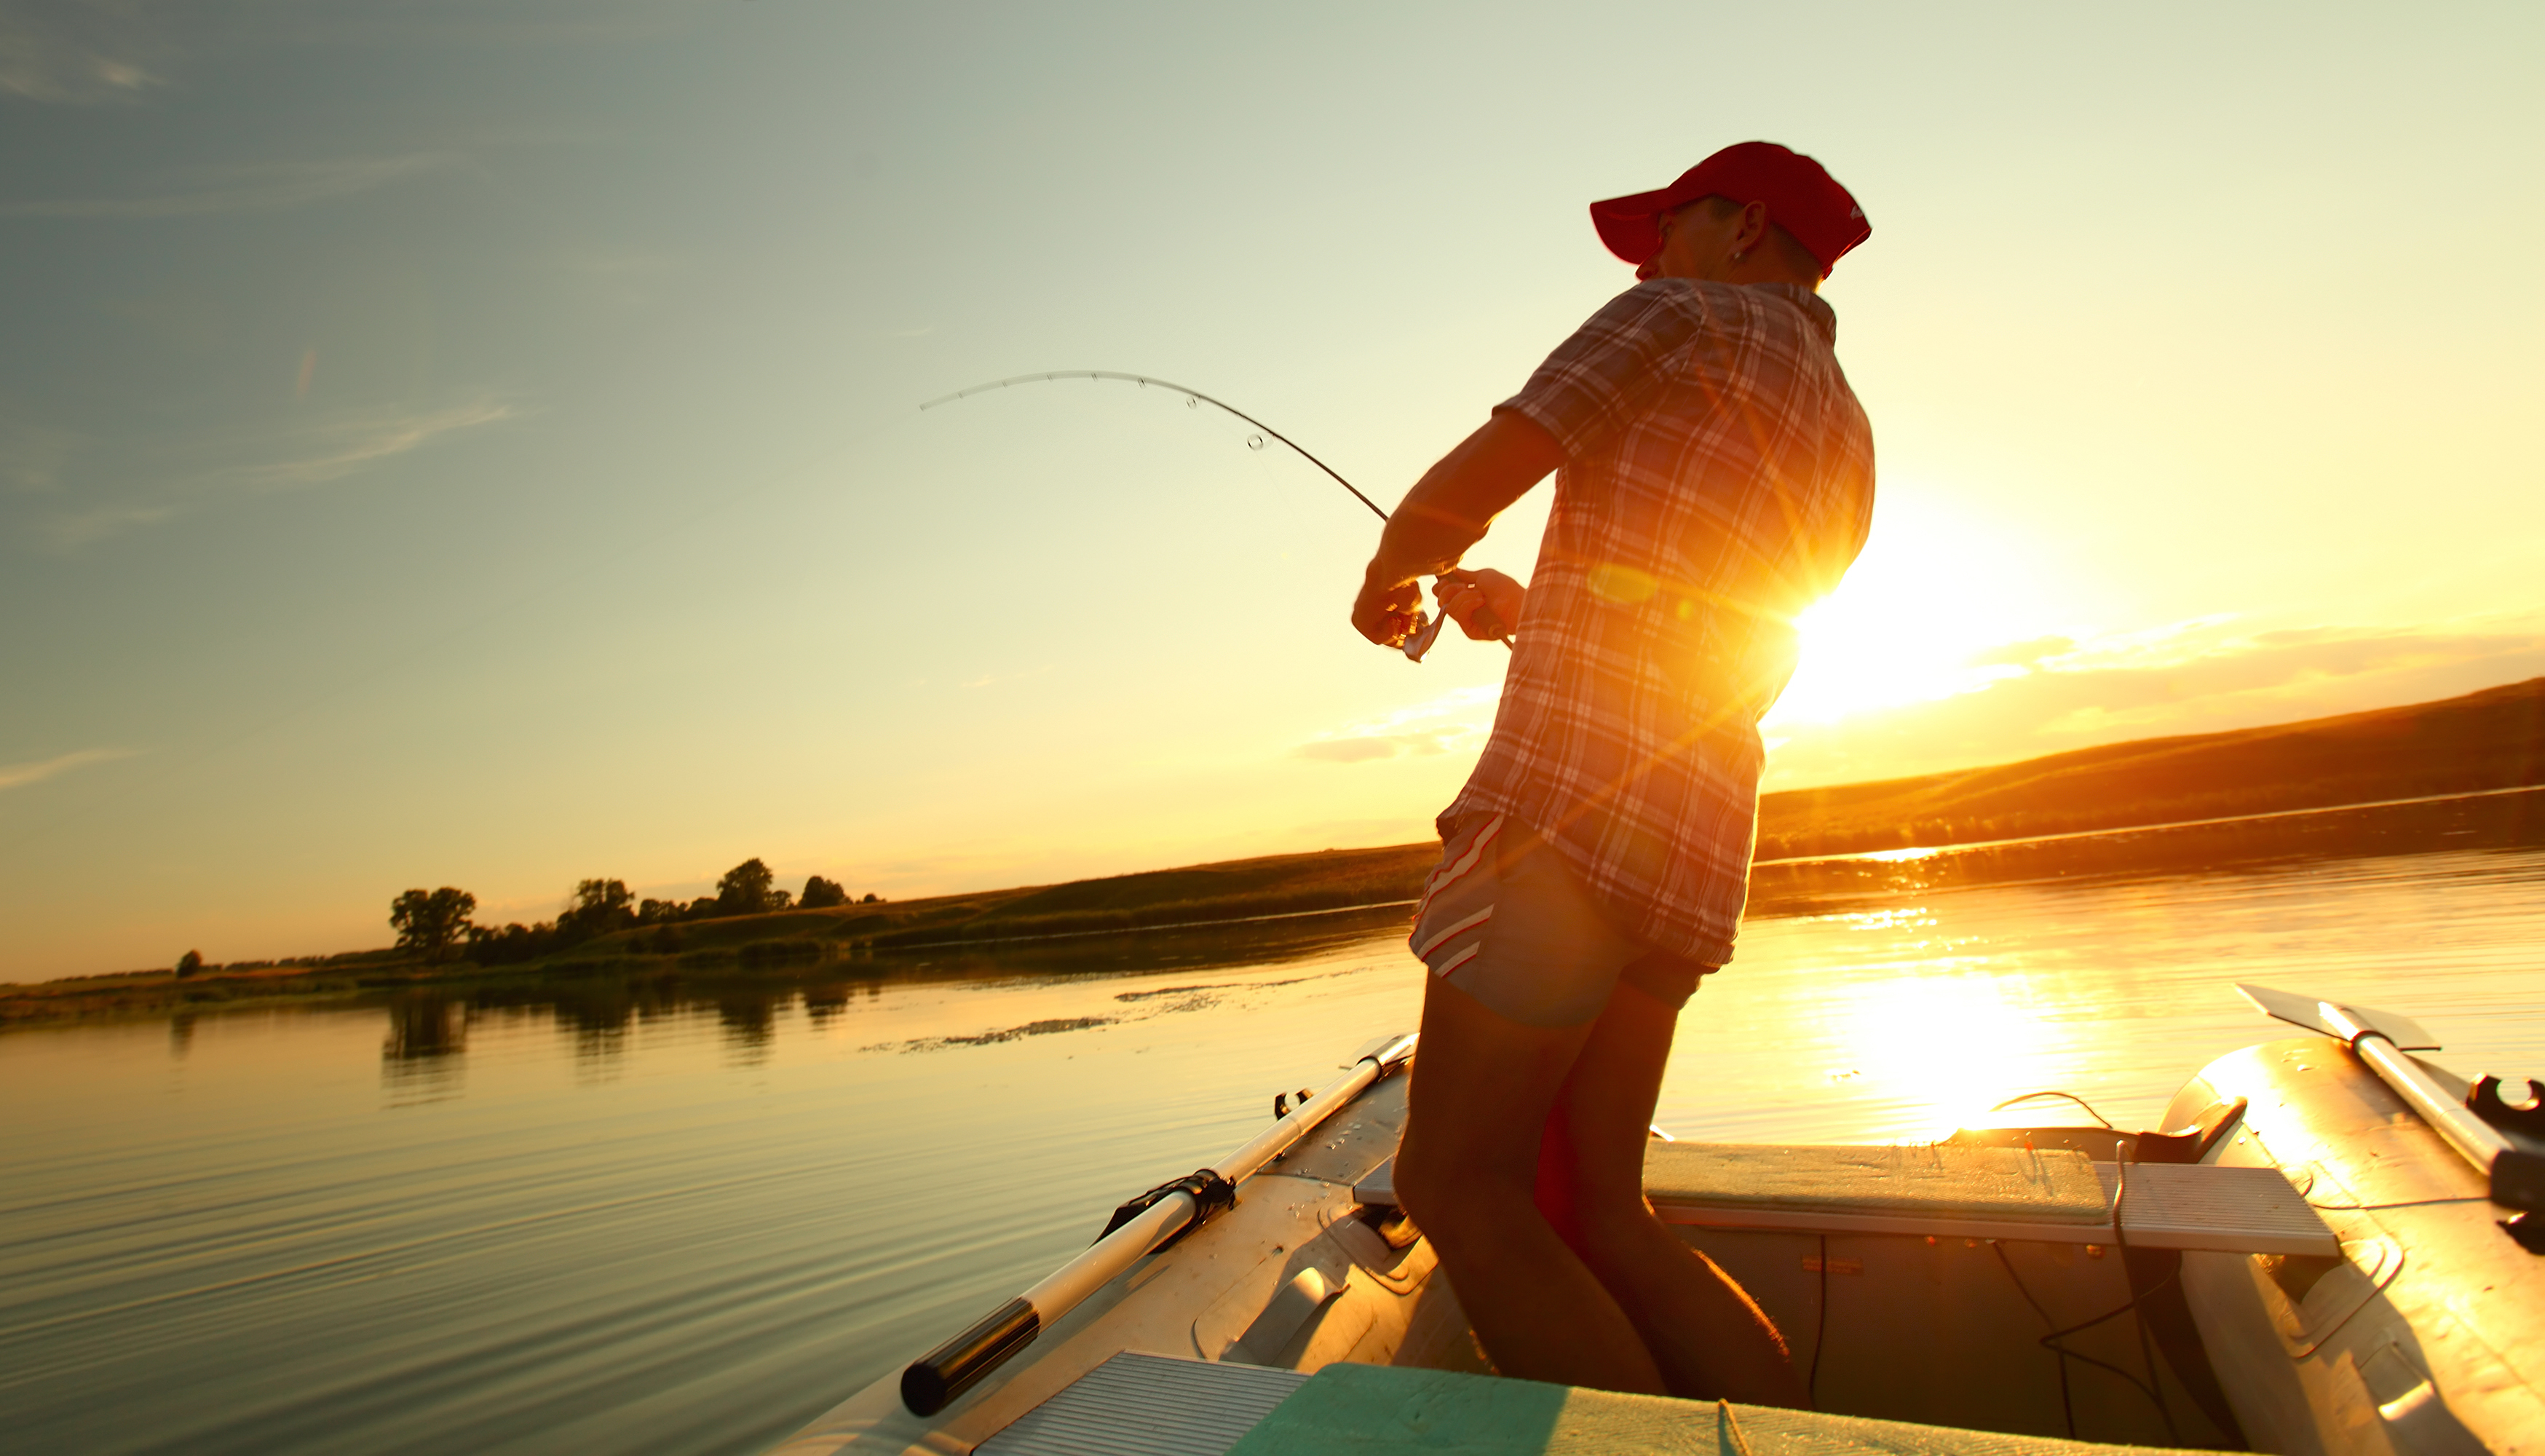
{"x": 1930, "y": 592}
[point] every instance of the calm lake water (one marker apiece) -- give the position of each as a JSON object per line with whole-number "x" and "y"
{"x": 688, "y": 1219}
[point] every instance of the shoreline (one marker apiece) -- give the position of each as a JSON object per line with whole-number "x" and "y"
{"x": 796, "y": 946}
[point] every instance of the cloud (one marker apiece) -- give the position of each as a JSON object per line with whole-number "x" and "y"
{"x": 18, "y": 776}
{"x": 2197, "y": 677}
{"x": 340, "y": 447}
{"x": 1446, "y": 724}
{"x": 262, "y": 187}
{"x": 75, "y": 54}
{"x": 33, "y": 457}
{"x": 297, "y": 458}
{"x": 2022, "y": 653}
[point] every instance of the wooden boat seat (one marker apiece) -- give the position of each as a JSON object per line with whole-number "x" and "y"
{"x": 1946, "y": 1191}
{"x": 1943, "y": 1190}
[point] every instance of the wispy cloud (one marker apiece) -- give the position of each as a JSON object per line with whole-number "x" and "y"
{"x": 75, "y": 54}
{"x": 18, "y": 776}
{"x": 296, "y": 458}
{"x": 340, "y": 447}
{"x": 1444, "y": 724}
{"x": 262, "y": 187}
{"x": 618, "y": 279}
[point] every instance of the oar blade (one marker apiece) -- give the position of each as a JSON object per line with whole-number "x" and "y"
{"x": 2308, "y": 1012}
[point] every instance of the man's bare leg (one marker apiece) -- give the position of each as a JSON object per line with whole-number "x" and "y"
{"x": 1709, "y": 1339}
{"x": 1483, "y": 1085}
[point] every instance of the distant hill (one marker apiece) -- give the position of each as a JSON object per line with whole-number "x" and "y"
{"x": 2489, "y": 740}
{"x": 2492, "y": 738}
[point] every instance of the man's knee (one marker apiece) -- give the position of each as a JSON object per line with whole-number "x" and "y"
{"x": 1441, "y": 1191}
{"x": 1617, "y": 1228}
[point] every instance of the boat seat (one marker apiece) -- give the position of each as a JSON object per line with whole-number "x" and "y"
{"x": 1947, "y": 1190}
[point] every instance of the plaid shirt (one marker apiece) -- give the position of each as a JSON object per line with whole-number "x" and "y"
{"x": 1717, "y": 478}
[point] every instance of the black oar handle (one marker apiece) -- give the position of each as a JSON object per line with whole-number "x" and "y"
{"x": 934, "y": 1378}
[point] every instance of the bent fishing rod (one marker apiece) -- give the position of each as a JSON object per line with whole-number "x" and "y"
{"x": 1424, "y": 633}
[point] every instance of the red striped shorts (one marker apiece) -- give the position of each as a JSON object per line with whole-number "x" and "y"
{"x": 1503, "y": 919}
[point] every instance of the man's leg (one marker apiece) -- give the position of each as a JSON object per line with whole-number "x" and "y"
{"x": 1483, "y": 1085}
{"x": 1710, "y": 1340}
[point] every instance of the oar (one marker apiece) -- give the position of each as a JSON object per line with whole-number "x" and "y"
{"x": 937, "y": 1378}
{"x": 2381, "y": 1039}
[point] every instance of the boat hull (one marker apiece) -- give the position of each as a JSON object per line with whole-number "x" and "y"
{"x": 2427, "y": 1335}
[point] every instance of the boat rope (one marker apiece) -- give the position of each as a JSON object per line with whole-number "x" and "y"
{"x": 2152, "y": 1386}
{"x": 1820, "y": 1329}
{"x": 2035, "y": 1097}
{"x": 1732, "y": 1427}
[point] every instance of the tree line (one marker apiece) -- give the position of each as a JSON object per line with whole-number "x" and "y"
{"x": 435, "y": 923}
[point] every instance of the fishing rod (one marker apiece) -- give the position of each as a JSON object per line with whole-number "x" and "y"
{"x": 1424, "y": 633}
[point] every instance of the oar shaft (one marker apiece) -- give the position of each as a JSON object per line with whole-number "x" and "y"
{"x": 2477, "y": 1140}
{"x": 1066, "y": 1287}
{"x": 2510, "y": 1175}
{"x": 939, "y": 1377}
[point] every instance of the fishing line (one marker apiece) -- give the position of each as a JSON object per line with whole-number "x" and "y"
{"x": 1424, "y": 633}
{"x": 1144, "y": 381}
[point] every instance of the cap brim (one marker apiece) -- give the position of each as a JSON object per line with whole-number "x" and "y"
{"x": 1630, "y": 226}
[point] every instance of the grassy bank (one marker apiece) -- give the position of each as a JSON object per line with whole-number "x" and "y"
{"x": 2490, "y": 740}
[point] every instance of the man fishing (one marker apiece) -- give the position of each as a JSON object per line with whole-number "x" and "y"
{"x": 1713, "y": 476}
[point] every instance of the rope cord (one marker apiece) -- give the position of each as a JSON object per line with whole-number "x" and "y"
{"x": 2035, "y": 1097}
{"x": 1820, "y": 1330}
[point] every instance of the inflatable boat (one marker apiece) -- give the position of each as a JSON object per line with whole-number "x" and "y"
{"x": 2331, "y": 1247}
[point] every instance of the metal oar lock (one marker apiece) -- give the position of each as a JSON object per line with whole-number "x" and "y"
{"x": 1137, "y": 1229}
{"x": 2516, "y": 1175}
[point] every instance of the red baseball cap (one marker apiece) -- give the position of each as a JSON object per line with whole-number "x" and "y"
{"x": 1801, "y": 198}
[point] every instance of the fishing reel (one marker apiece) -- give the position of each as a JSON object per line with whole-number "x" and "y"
{"x": 1427, "y": 630}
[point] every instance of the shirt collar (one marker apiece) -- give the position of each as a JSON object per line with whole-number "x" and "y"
{"x": 1816, "y": 308}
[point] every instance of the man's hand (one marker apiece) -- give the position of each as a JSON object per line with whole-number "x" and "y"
{"x": 1445, "y": 514}
{"x": 1484, "y": 602}
{"x": 1384, "y": 611}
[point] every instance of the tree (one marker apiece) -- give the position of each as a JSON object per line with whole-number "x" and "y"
{"x": 744, "y": 890}
{"x": 600, "y": 905}
{"x": 430, "y": 923}
{"x": 822, "y": 894}
{"x": 188, "y": 963}
{"x": 871, "y": 899}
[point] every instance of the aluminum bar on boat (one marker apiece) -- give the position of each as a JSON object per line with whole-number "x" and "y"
{"x": 2516, "y": 1177}
{"x": 940, "y": 1377}
{"x": 2479, "y": 1142}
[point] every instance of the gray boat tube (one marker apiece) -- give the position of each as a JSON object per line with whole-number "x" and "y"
{"x": 938, "y": 1378}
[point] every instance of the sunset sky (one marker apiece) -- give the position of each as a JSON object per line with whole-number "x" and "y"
{"x": 478, "y": 444}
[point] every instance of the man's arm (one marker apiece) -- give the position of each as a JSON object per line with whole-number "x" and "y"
{"x": 1445, "y": 514}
